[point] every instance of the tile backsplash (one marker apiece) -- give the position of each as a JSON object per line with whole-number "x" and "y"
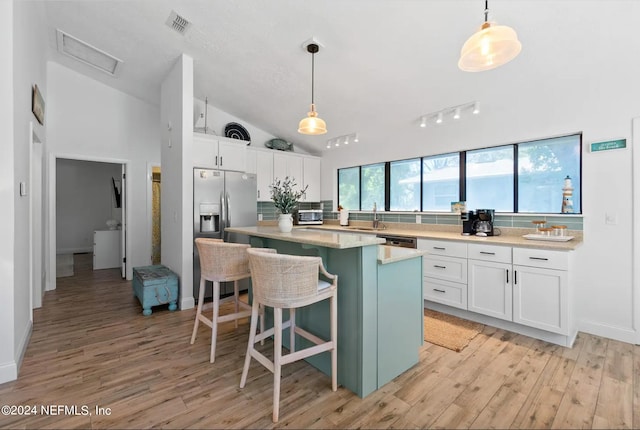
{"x": 573, "y": 222}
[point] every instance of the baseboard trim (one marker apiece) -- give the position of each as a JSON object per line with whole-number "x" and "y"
{"x": 621, "y": 334}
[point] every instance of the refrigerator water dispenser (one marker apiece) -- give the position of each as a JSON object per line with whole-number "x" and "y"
{"x": 209, "y": 218}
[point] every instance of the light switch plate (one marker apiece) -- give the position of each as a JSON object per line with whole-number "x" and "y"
{"x": 611, "y": 218}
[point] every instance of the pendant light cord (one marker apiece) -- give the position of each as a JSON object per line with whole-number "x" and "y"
{"x": 486, "y": 10}
{"x": 313, "y": 68}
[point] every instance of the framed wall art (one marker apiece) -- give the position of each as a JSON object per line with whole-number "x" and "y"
{"x": 37, "y": 104}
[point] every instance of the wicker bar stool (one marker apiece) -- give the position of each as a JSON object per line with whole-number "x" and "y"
{"x": 220, "y": 262}
{"x": 282, "y": 282}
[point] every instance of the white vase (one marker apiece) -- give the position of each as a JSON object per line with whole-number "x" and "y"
{"x": 285, "y": 223}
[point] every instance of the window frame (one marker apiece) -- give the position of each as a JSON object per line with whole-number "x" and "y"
{"x": 463, "y": 176}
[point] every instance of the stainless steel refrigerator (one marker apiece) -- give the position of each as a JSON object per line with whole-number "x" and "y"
{"x": 221, "y": 199}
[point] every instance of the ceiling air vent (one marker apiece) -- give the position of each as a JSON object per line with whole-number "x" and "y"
{"x": 178, "y": 23}
{"x": 85, "y": 53}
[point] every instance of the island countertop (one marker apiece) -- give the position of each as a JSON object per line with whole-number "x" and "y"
{"x": 392, "y": 254}
{"x": 326, "y": 238}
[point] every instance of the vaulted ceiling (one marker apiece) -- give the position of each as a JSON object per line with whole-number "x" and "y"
{"x": 382, "y": 65}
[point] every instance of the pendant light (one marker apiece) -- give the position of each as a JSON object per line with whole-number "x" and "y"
{"x": 490, "y": 47}
{"x": 312, "y": 124}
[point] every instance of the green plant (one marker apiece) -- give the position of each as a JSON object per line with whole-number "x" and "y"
{"x": 284, "y": 197}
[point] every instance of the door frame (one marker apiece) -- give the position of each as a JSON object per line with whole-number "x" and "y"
{"x": 635, "y": 225}
{"x": 36, "y": 219}
{"x": 150, "y": 167}
{"x": 51, "y": 208}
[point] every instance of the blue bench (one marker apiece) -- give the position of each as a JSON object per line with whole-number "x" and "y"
{"x": 154, "y": 286}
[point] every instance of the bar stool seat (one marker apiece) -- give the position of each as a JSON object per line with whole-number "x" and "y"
{"x": 220, "y": 262}
{"x": 283, "y": 281}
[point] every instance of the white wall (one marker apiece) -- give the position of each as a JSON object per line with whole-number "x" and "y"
{"x": 8, "y": 365}
{"x": 600, "y": 102}
{"x": 176, "y": 127}
{"x": 91, "y": 121}
{"x": 84, "y": 202}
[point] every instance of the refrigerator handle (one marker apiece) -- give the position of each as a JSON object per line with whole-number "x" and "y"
{"x": 227, "y": 220}
{"x": 223, "y": 213}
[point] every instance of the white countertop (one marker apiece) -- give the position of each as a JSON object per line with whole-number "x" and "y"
{"x": 422, "y": 232}
{"x": 391, "y": 254}
{"x": 319, "y": 237}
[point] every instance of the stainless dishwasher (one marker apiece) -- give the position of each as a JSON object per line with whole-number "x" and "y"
{"x": 401, "y": 241}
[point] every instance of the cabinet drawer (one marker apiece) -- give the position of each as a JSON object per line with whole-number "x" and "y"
{"x": 544, "y": 258}
{"x": 500, "y": 254}
{"x": 443, "y": 247}
{"x": 447, "y": 293}
{"x": 447, "y": 268}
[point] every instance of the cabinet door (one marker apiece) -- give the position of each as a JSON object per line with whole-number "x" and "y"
{"x": 231, "y": 156}
{"x": 540, "y": 298}
{"x": 205, "y": 152}
{"x": 264, "y": 172}
{"x": 311, "y": 172}
{"x": 489, "y": 289}
{"x": 251, "y": 166}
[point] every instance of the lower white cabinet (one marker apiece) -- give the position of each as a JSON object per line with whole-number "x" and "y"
{"x": 541, "y": 294}
{"x": 445, "y": 272}
{"x": 489, "y": 289}
{"x": 106, "y": 249}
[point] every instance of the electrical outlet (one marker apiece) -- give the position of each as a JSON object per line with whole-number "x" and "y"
{"x": 259, "y": 217}
{"x": 418, "y": 219}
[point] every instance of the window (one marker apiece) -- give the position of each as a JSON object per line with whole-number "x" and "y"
{"x": 489, "y": 174}
{"x": 440, "y": 182}
{"x": 542, "y": 167}
{"x": 404, "y": 185}
{"x": 524, "y": 177}
{"x": 349, "y": 188}
{"x": 372, "y": 186}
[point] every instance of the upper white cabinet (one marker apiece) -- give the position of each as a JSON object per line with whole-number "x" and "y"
{"x": 290, "y": 165}
{"x": 264, "y": 172}
{"x": 311, "y": 175}
{"x": 212, "y": 152}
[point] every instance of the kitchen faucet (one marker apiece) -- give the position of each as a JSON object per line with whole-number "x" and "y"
{"x": 375, "y": 216}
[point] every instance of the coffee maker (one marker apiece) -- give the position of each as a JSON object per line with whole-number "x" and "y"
{"x": 484, "y": 222}
{"x": 467, "y": 218}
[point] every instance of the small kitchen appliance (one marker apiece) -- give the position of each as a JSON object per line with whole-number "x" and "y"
{"x": 468, "y": 218}
{"x": 309, "y": 217}
{"x": 484, "y": 222}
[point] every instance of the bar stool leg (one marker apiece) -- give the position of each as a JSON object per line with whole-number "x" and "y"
{"x": 261, "y": 321}
{"x": 252, "y": 341}
{"x": 198, "y": 311}
{"x": 292, "y": 330}
{"x": 214, "y": 320}
{"x": 277, "y": 366}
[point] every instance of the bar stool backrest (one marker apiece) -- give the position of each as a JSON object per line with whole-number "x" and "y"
{"x": 282, "y": 280}
{"x": 222, "y": 261}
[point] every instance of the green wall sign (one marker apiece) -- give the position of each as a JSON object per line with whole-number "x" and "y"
{"x": 610, "y": 144}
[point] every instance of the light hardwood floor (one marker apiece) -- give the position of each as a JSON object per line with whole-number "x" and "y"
{"x": 92, "y": 347}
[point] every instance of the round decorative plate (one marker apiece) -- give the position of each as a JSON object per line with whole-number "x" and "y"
{"x": 279, "y": 144}
{"x": 236, "y": 131}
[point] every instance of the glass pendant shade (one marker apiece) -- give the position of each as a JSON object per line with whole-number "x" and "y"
{"x": 312, "y": 124}
{"x": 490, "y": 47}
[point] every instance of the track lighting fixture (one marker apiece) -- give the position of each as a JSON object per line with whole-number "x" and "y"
{"x": 454, "y": 112}
{"x": 345, "y": 139}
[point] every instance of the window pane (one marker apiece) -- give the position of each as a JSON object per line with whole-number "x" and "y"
{"x": 349, "y": 188}
{"x": 405, "y": 185}
{"x": 490, "y": 179}
{"x": 372, "y": 186}
{"x": 542, "y": 167}
{"x": 440, "y": 182}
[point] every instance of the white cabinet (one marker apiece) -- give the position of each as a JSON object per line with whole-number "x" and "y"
{"x": 290, "y": 165}
{"x": 264, "y": 172}
{"x": 311, "y": 175}
{"x": 445, "y": 272}
{"x": 106, "y": 249}
{"x": 211, "y": 152}
{"x": 541, "y": 289}
{"x": 490, "y": 290}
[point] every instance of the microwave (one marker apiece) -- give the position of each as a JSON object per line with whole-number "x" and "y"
{"x": 309, "y": 216}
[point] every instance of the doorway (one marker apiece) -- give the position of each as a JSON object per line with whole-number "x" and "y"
{"x": 156, "y": 186}
{"x": 87, "y": 200}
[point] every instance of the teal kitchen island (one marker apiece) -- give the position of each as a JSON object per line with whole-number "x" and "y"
{"x": 380, "y": 305}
